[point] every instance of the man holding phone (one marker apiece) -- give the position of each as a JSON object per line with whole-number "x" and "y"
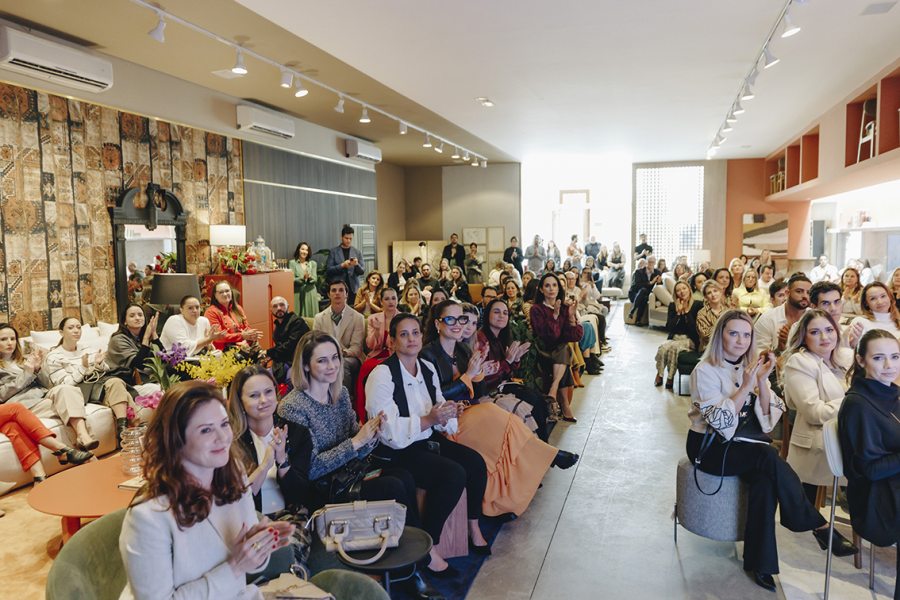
{"x": 345, "y": 263}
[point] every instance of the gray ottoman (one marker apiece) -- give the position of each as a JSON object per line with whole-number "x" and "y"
{"x": 719, "y": 517}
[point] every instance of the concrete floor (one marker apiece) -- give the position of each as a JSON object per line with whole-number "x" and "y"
{"x": 604, "y": 529}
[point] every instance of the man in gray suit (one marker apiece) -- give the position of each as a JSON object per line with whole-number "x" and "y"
{"x": 348, "y": 327}
{"x": 345, "y": 262}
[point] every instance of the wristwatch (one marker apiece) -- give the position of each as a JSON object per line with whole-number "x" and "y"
{"x": 285, "y": 464}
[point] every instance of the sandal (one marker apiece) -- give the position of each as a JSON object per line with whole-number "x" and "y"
{"x": 72, "y": 456}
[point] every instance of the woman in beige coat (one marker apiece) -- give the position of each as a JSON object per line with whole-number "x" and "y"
{"x": 814, "y": 384}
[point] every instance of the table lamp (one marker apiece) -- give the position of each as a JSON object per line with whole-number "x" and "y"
{"x": 228, "y": 235}
{"x": 170, "y": 288}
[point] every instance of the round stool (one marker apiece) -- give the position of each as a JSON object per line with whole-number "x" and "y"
{"x": 719, "y": 517}
{"x": 414, "y": 545}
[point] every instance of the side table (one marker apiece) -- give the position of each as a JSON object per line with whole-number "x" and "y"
{"x": 415, "y": 544}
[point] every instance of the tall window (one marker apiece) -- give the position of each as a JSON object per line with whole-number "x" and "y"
{"x": 669, "y": 209}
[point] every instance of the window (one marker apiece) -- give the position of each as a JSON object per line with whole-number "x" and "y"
{"x": 669, "y": 209}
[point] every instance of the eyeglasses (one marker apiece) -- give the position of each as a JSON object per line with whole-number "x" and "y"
{"x": 451, "y": 320}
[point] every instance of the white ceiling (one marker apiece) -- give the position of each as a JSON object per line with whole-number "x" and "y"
{"x": 652, "y": 79}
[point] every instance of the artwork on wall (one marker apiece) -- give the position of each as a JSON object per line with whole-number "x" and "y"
{"x": 766, "y": 232}
{"x": 475, "y": 234}
{"x": 496, "y": 239}
{"x": 64, "y": 163}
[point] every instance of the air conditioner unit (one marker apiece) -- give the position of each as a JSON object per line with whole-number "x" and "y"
{"x": 250, "y": 118}
{"x": 46, "y": 59}
{"x": 364, "y": 150}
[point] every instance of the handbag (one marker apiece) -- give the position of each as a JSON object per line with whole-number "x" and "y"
{"x": 360, "y": 525}
{"x": 344, "y": 483}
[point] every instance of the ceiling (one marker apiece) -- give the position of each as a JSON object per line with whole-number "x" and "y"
{"x": 651, "y": 79}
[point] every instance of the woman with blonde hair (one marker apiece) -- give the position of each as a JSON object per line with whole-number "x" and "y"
{"x": 894, "y": 285}
{"x": 852, "y": 291}
{"x": 713, "y": 307}
{"x": 879, "y": 310}
{"x": 368, "y": 296}
{"x": 736, "y": 269}
{"x": 682, "y": 327}
{"x": 749, "y": 297}
{"x": 411, "y": 299}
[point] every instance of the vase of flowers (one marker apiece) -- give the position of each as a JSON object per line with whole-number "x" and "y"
{"x": 165, "y": 262}
{"x": 217, "y": 368}
{"x": 235, "y": 261}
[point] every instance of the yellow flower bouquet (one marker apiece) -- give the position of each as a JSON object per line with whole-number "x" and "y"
{"x": 220, "y": 368}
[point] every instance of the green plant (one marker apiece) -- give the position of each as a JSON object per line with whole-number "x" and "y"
{"x": 529, "y": 371}
{"x": 321, "y": 258}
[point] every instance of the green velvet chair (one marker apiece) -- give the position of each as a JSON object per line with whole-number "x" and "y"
{"x": 89, "y": 565}
{"x": 349, "y": 585}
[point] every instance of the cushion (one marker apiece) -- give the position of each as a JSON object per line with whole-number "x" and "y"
{"x": 106, "y": 329}
{"x": 89, "y": 334}
{"x": 662, "y": 294}
{"x": 669, "y": 282}
{"x": 46, "y": 339}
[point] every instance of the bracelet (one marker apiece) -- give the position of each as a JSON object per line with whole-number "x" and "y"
{"x": 285, "y": 464}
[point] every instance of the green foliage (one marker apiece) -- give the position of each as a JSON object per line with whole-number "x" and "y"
{"x": 528, "y": 370}
{"x": 321, "y": 257}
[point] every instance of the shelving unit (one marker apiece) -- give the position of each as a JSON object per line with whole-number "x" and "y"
{"x": 860, "y": 111}
{"x": 809, "y": 156}
{"x": 775, "y": 172}
{"x": 794, "y": 164}
{"x": 889, "y": 113}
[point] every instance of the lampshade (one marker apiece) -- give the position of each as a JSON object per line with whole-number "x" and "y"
{"x": 170, "y": 288}
{"x": 227, "y": 235}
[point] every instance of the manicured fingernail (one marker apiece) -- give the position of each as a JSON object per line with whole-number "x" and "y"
{"x": 274, "y": 546}
{"x": 271, "y": 529}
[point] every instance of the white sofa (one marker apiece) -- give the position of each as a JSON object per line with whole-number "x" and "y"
{"x": 660, "y": 298}
{"x": 100, "y": 420}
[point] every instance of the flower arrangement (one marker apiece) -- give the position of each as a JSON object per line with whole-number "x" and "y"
{"x": 165, "y": 262}
{"x": 162, "y": 361}
{"x": 234, "y": 261}
{"x": 219, "y": 368}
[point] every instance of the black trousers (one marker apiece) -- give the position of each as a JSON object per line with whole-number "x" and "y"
{"x": 394, "y": 484}
{"x": 772, "y": 483}
{"x": 639, "y": 301}
{"x": 443, "y": 476}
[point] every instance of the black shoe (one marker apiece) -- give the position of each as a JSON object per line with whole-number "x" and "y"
{"x": 448, "y": 573}
{"x": 417, "y": 587}
{"x": 479, "y": 550}
{"x": 841, "y": 546}
{"x": 564, "y": 459}
{"x": 39, "y": 479}
{"x": 764, "y": 581}
{"x": 92, "y": 445}
{"x": 72, "y": 456}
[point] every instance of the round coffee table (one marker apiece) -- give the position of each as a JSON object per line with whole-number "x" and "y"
{"x": 87, "y": 491}
{"x": 414, "y": 545}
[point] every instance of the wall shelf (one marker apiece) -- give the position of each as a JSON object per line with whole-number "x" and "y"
{"x": 794, "y": 164}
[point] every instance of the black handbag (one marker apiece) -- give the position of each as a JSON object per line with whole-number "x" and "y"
{"x": 344, "y": 484}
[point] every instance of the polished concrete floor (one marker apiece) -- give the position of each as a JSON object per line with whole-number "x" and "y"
{"x": 604, "y": 528}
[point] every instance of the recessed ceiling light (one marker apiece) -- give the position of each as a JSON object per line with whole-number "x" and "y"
{"x": 877, "y": 8}
{"x": 485, "y": 102}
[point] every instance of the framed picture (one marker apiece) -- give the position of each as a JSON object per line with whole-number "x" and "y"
{"x": 474, "y": 234}
{"x": 496, "y": 239}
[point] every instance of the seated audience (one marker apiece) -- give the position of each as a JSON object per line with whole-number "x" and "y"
{"x": 736, "y": 269}
{"x": 766, "y": 277}
{"x": 436, "y": 297}
{"x": 443, "y": 273}
{"x": 192, "y": 531}
{"x": 227, "y": 315}
{"x": 696, "y": 282}
{"x": 894, "y": 285}
{"x": 494, "y": 275}
{"x": 407, "y": 392}
{"x": 488, "y": 293}
{"x": 457, "y": 286}
{"x": 306, "y": 295}
{"x": 513, "y": 296}
{"x": 642, "y": 281}
{"x": 681, "y": 324}
{"x": 723, "y": 278}
{"x": 411, "y": 300}
{"x": 870, "y": 441}
{"x": 549, "y": 266}
{"x": 733, "y": 409}
{"x": 279, "y": 488}
{"x": 367, "y": 296}
{"x": 766, "y": 260}
{"x": 713, "y": 307}
{"x": 616, "y": 267}
{"x": 397, "y": 280}
{"x": 470, "y": 328}
{"x": 773, "y": 326}
{"x": 289, "y": 328}
{"x": 824, "y": 271}
{"x": 661, "y": 266}
{"x": 749, "y": 297}
{"x": 473, "y": 265}
{"x": 852, "y": 291}
{"x": 190, "y": 329}
{"x": 427, "y": 283}
{"x": 510, "y": 270}
{"x": 554, "y": 322}
{"x": 68, "y": 364}
{"x": 377, "y": 339}
{"x": 132, "y": 344}
{"x": 680, "y": 272}
{"x": 778, "y": 292}
{"x": 879, "y": 310}
{"x": 345, "y": 325}
{"x": 553, "y": 252}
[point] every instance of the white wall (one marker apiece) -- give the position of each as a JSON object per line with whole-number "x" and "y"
{"x": 476, "y": 197}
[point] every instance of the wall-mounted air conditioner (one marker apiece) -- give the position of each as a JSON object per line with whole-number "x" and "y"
{"x": 364, "y": 150}
{"x": 52, "y": 61}
{"x": 250, "y": 118}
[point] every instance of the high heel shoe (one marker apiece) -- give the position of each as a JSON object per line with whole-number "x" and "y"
{"x": 564, "y": 459}
{"x": 72, "y": 455}
{"x": 91, "y": 445}
{"x": 479, "y": 550}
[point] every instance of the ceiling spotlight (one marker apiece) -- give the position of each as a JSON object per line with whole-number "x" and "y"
{"x": 364, "y": 117}
{"x": 751, "y": 79}
{"x": 771, "y": 61}
{"x": 339, "y": 107}
{"x": 711, "y": 152}
{"x": 403, "y": 128}
{"x": 287, "y": 79}
{"x": 789, "y": 27}
{"x": 731, "y": 118}
{"x": 427, "y": 142}
{"x": 727, "y": 127}
{"x": 747, "y": 94}
{"x": 466, "y": 156}
{"x": 720, "y": 139}
{"x": 158, "y": 33}
{"x": 474, "y": 163}
{"x": 738, "y": 109}
{"x": 301, "y": 89}
{"x": 239, "y": 68}
{"x": 439, "y": 148}
{"x": 455, "y": 155}
{"x": 484, "y": 163}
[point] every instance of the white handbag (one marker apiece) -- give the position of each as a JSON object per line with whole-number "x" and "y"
{"x": 360, "y": 525}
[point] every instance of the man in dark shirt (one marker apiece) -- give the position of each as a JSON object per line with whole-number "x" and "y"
{"x": 488, "y": 293}
{"x": 346, "y": 262}
{"x": 592, "y": 248}
{"x": 426, "y": 281}
{"x": 643, "y": 250}
{"x": 289, "y": 328}
{"x": 454, "y": 253}
{"x": 513, "y": 255}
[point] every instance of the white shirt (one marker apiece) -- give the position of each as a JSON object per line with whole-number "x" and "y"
{"x": 399, "y": 432}
{"x": 177, "y": 329}
{"x": 271, "y": 497}
{"x": 826, "y": 273}
{"x": 882, "y": 321}
{"x": 767, "y": 327}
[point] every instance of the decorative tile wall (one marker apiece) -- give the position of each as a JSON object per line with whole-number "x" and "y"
{"x": 63, "y": 163}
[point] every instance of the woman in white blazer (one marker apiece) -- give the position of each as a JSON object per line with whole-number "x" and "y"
{"x": 192, "y": 531}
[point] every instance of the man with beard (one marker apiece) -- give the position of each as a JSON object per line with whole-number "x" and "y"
{"x": 289, "y": 328}
{"x": 426, "y": 281}
{"x": 827, "y": 296}
{"x": 773, "y": 326}
{"x": 454, "y": 253}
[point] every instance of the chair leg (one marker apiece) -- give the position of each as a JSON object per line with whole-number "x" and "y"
{"x": 871, "y": 566}
{"x": 677, "y": 382}
{"x": 857, "y": 558}
{"x": 675, "y": 528}
{"x": 830, "y": 539}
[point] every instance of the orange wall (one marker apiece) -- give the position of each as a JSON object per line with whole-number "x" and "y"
{"x": 745, "y": 193}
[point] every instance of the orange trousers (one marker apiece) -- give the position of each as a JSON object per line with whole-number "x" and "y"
{"x": 24, "y": 430}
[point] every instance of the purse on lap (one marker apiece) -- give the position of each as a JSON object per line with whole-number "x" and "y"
{"x": 360, "y": 525}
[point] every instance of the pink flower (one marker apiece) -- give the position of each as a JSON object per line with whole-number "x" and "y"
{"x": 129, "y": 413}
{"x": 150, "y": 401}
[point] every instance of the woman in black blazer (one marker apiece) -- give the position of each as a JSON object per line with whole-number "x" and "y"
{"x": 645, "y": 277}
{"x": 400, "y": 276}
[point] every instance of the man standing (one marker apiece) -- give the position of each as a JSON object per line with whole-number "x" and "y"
{"x": 513, "y": 255}
{"x": 643, "y": 249}
{"x": 592, "y": 248}
{"x": 289, "y": 328}
{"x": 348, "y": 327}
{"x": 824, "y": 271}
{"x": 454, "y": 254}
{"x": 773, "y": 326}
{"x": 536, "y": 256}
{"x": 345, "y": 262}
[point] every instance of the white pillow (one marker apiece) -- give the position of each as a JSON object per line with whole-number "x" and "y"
{"x": 106, "y": 329}
{"x": 662, "y": 294}
{"x": 88, "y": 335}
{"x": 46, "y": 339}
